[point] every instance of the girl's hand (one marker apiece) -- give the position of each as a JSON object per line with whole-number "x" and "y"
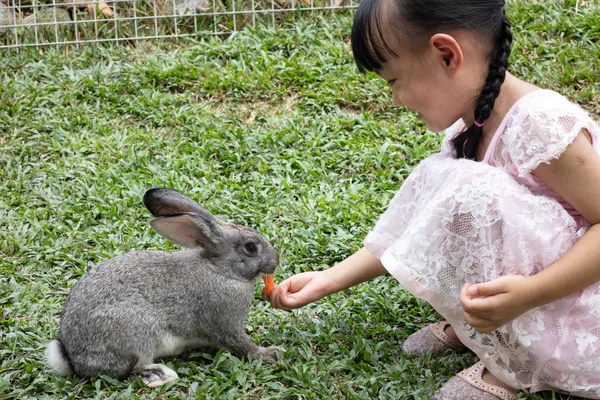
{"x": 299, "y": 290}
{"x": 489, "y": 305}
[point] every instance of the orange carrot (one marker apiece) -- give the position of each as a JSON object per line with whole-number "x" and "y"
{"x": 269, "y": 283}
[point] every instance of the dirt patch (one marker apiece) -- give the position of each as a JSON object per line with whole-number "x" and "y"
{"x": 593, "y": 107}
{"x": 249, "y": 110}
{"x": 353, "y": 110}
{"x": 283, "y": 106}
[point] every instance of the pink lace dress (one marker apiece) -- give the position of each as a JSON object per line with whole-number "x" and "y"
{"x": 455, "y": 221}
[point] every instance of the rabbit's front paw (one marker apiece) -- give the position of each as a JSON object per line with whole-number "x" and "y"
{"x": 269, "y": 353}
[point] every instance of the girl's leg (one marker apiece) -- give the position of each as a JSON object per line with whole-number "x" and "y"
{"x": 438, "y": 338}
{"x": 492, "y": 380}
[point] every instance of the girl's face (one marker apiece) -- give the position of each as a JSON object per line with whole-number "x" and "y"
{"x": 436, "y": 83}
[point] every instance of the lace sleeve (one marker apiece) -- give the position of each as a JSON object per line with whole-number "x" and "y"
{"x": 541, "y": 131}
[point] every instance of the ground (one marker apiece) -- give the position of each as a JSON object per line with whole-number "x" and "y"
{"x": 275, "y": 129}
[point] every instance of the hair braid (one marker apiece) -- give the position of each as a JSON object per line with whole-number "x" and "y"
{"x": 467, "y": 143}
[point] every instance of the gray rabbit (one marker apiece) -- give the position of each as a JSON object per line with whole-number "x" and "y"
{"x": 146, "y": 304}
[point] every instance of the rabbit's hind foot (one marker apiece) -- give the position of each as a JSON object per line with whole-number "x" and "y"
{"x": 155, "y": 375}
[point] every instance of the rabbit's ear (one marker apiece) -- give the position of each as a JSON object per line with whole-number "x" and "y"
{"x": 163, "y": 201}
{"x": 189, "y": 230}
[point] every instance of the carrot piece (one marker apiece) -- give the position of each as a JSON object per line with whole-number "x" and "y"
{"x": 269, "y": 283}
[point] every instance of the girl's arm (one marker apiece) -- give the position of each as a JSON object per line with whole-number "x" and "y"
{"x": 360, "y": 267}
{"x": 302, "y": 289}
{"x": 575, "y": 176}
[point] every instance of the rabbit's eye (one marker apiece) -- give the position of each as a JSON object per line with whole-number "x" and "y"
{"x": 250, "y": 247}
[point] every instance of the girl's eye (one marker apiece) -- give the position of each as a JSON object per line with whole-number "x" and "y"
{"x": 391, "y": 82}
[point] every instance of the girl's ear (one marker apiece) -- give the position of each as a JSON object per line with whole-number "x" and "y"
{"x": 447, "y": 52}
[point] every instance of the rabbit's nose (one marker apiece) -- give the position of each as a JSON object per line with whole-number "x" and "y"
{"x": 271, "y": 264}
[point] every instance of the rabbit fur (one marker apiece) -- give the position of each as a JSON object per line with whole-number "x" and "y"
{"x": 146, "y": 304}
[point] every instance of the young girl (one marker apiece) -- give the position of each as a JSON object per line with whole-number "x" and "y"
{"x": 499, "y": 231}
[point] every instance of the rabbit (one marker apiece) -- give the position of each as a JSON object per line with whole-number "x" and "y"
{"x": 135, "y": 307}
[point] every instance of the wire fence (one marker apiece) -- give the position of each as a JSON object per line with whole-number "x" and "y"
{"x": 25, "y": 23}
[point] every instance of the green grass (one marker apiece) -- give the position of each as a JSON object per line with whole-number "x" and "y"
{"x": 273, "y": 129}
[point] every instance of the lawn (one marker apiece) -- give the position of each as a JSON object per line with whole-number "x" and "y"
{"x": 273, "y": 129}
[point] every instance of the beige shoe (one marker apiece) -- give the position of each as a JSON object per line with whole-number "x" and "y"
{"x": 469, "y": 385}
{"x": 433, "y": 338}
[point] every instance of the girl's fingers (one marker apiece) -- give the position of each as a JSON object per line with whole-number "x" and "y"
{"x": 296, "y": 291}
{"x": 463, "y": 297}
{"x": 277, "y": 295}
{"x": 283, "y": 299}
{"x": 482, "y": 325}
{"x": 490, "y": 288}
{"x": 478, "y": 307}
{"x": 469, "y": 304}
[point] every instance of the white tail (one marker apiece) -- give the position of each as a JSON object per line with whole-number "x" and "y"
{"x": 57, "y": 358}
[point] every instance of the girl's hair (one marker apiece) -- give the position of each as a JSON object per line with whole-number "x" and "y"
{"x": 417, "y": 18}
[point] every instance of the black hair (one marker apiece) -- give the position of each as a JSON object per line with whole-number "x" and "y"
{"x": 426, "y": 17}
